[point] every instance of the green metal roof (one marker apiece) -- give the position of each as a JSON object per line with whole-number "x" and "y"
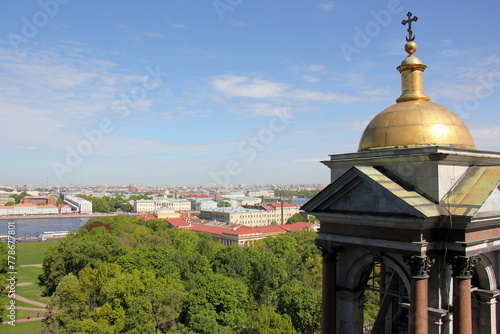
{"x": 426, "y": 207}
{"x": 472, "y": 190}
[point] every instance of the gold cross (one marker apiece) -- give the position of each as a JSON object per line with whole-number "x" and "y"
{"x": 411, "y": 35}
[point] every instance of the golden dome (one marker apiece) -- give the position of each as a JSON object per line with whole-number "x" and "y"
{"x": 414, "y": 121}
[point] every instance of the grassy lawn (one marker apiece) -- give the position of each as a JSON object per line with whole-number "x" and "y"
{"x": 22, "y": 328}
{"x": 32, "y": 252}
{"x": 27, "y": 284}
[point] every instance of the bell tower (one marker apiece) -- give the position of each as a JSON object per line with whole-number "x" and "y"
{"x": 413, "y": 217}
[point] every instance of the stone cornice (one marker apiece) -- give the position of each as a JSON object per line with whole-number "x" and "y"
{"x": 431, "y": 154}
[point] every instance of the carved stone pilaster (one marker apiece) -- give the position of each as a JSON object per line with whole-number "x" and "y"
{"x": 463, "y": 266}
{"x": 329, "y": 251}
{"x": 419, "y": 265}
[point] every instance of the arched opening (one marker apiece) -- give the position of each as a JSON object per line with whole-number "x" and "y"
{"x": 384, "y": 298}
{"x": 484, "y": 294}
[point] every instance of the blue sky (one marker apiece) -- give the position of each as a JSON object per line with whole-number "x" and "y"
{"x": 176, "y": 92}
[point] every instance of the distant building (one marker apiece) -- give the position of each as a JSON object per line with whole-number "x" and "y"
{"x": 150, "y": 206}
{"x": 233, "y": 195}
{"x": 179, "y": 223}
{"x": 198, "y": 204}
{"x": 6, "y": 210}
{"x": 261, "y": 193}
{"x": 164, "y": 213}
{"x": 28, "y": 209}
{"x": 260, "y": 215}
{"x": 241, "y": 235}
{"x": 179, "y": 205}
{"x": 77, "y": 204}
{"x": 146, "y": 206}
{"x": 4, "y": 200}
{"x": 64, "y": 208}
{"x": 274, "y": 211}
{"x": 47, "y": 210}
{"x": 37, "y": 200}
{"x": 244, "y": 201}
{"x": 25, "y": 209}
{"x": 246, "y": 236}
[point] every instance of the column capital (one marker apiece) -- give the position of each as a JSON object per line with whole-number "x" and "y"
{"x": 463, "y": 266}
{"x": 419, "y": 265}
{"x": 328, "y": 249}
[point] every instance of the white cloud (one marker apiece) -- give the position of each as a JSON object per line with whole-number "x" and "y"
{"x": 193, "y": 51}
{"x": 175, "y": 25}
{"x": 243, "y": 86}
{"x": 234, "y": 86}
{"x": 326, "y": 5}
{"x": 309, "y": 95}
{"x": 380, "y": 91}
{"x": 311, "y": 79}
{"x": 155, "y": 35}
{"x": 269, "y": 109}
{"x": 486, "y": 138}
{"x": 477, "y": 81}
{"x": 237, "y": 23}
{"x": 316, "y": 68}
{"x": 112, "y": 146}
{"x": 49, "y": 95}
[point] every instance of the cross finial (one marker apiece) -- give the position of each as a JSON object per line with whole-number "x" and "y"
{"x": 411, "y": 35}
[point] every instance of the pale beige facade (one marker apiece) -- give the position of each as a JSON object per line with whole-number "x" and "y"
{"x": 261, "y": 216}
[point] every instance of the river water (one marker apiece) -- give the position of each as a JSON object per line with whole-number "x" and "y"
{"x": 32, "y": 227}
{"x": 300, "y": 201}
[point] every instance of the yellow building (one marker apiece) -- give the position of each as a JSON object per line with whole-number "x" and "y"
{"x": 164, "y": 212}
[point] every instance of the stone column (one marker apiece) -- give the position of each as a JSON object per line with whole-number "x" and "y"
{"x": 462, "y": 308}
{"x": 419, "y": 294}
{"x": 329, "y": 302}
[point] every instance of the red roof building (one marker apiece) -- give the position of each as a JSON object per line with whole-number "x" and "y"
{"x": 238, "y": 235}
{"x": 148, "y": 216}
{"x": 179, "y": 223}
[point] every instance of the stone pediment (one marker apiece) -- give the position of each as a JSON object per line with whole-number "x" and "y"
{"x": 476, "y": 192}
{"x": 366, "y": 190}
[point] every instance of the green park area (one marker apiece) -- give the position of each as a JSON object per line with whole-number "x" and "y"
{"x": 28, "y": 259}
{"x": 129, "y": 275}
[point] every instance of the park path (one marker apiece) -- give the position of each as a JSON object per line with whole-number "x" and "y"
{"x": 29, "y": 301}
{"x": 32, "y": 265}
{"x": 24, "y": 308}
{"x": 26, "y": 300}
{"x": 41, "y": 306}
{"x": 23, "y": 320}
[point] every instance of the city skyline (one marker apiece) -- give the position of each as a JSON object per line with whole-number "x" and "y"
{"x": 224, "y": 92}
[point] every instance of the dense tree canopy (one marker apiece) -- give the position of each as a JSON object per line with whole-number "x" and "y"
{"x": 124, "y": 275}
{"x": 19, "y": 197}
